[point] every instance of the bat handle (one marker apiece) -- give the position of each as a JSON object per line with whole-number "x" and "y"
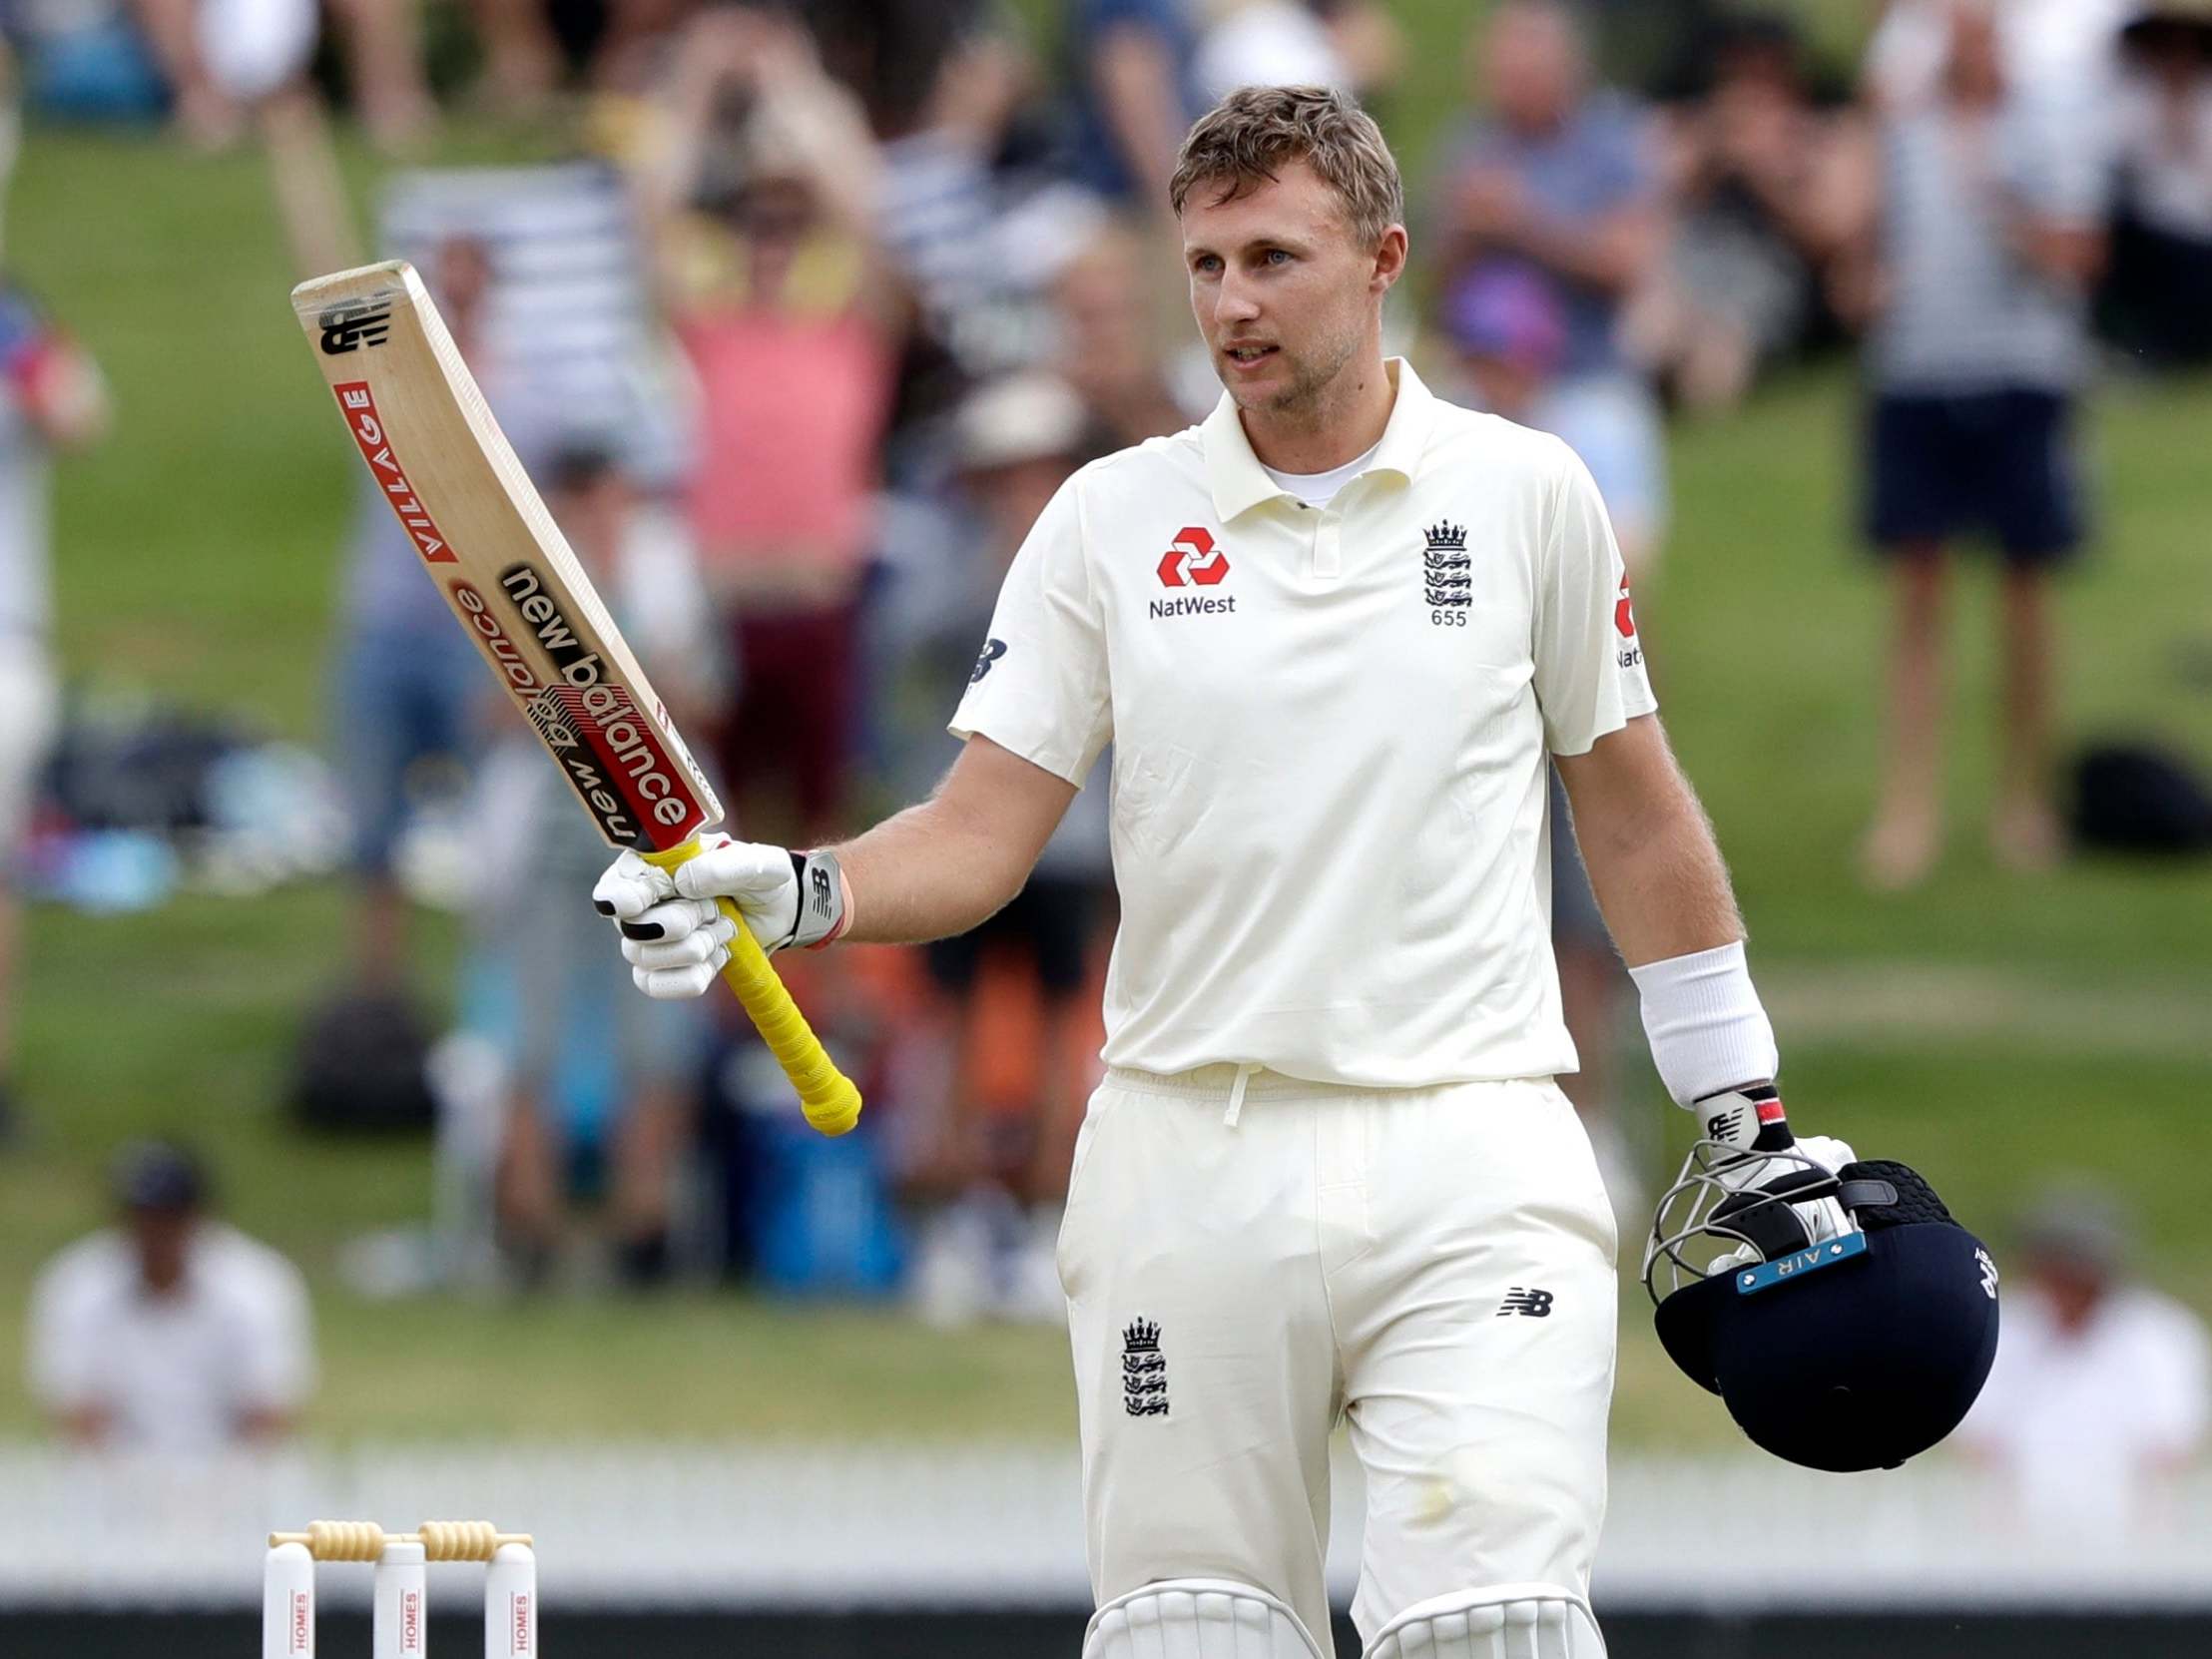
{"x": 827, "y": 1097}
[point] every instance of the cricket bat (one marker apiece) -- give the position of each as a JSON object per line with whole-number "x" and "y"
{"x": 484, "y": 537}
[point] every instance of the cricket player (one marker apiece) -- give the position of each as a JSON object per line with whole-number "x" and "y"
{"x": 1337, "y": 633}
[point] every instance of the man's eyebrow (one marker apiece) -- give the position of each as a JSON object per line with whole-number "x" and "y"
{"x": 1288, "y": 243}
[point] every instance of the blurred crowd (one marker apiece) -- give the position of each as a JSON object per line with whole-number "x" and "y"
{"x": 835, "y": 294}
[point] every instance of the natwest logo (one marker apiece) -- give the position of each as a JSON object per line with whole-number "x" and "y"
{"x": 1624, "y": 614}
{"x": 1193, "y": 558}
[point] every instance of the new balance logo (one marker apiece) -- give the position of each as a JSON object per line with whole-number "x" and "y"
{"x": 349, "y": 327}
{"x": 1725, "y": 1125}
{"x": 1144, "y": 1370}
{"x": 817, "y": 879}
{"x": 992, "y": 651}
{"x": 1536, "y": 1305}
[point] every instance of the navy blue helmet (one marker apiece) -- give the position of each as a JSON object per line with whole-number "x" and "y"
{"x": 1842, "y": 1354}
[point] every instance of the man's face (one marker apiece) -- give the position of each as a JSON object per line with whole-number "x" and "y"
{"x": 1282, "y": 294}
{"x": 161, "y": 1237}
{"x": 1530, "y": 67}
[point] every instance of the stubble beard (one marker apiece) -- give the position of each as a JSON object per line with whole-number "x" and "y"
{"x": 1313, "y": 376}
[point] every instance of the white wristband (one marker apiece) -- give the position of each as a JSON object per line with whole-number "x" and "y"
{"x": 1707, "y": 1029}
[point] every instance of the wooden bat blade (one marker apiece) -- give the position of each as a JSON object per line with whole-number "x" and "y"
{"x": 477, "y": 526}
{"x": 481, "y": 533}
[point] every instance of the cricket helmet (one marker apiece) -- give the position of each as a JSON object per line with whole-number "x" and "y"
{"x": 1842, "y": 1354}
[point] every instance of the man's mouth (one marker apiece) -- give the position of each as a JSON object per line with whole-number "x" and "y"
{"x": 1247, "y": 352}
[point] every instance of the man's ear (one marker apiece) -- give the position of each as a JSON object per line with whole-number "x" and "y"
{"x": 1389, "y": 258}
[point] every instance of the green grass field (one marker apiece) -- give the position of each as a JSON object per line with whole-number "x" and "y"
{"x": 1990, "y": 1029}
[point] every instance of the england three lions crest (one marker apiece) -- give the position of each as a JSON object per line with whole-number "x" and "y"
{"x": 1144, "y": 1370}
{"x": 1446, "y": 581}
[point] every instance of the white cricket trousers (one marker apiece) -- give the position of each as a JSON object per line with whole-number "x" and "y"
{"x": 1434, "y": 1264}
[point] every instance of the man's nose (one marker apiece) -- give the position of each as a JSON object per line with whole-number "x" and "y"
{"x": 1235, "y": 300}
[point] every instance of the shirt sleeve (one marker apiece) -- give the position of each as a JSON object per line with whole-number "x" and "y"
{"x": 1039, "y": 684}
{"x": 2175, "y": 1382}
{"x": 275, "y": 1352}
{"x": 62, "y": 1353}
{"x": 1589, "y": 677}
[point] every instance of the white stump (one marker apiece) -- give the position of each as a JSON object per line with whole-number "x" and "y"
{"x": 511, "y": 1604}
{"x": 287, "y": 1603}
{"x": 402, "y": 1615}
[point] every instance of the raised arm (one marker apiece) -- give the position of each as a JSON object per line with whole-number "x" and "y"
{"x": 946, "y": 863}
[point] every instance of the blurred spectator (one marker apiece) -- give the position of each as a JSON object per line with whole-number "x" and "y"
{"x": 523, "y": 63}
{"x": 239, "y": 66}
{"x": 51, "y": 399}
{"x": 222, "y": 58}
{"x": 1003, "y": 1162}
{"x": 2156, "y": 293}
{"x": 784, "y": 303}
{"x": 2102, "y": 1388}
{"x": 1555, "y": 183}
{"x": 976, "y": 221}
{"x": 171, "y": 1331}
{"x": 1989, "y": 237}
{"x": 408, "y": 682}
{"x": 1108, "y": 352}
{"x": 2057, "y": 49}
{"x": 1763, "y": 198}
{"x": 1136, "y": 94}
{"x": 1352, "y": 45}
{"x": 568, "y": 996}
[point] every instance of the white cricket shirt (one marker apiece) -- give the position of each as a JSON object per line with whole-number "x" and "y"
{"x": 1330, "y": 729}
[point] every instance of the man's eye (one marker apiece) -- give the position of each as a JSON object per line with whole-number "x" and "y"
{"x": 1206, "y": 262}
{"x": 1278, "y": 255}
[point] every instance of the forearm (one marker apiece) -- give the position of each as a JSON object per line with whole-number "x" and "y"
{"x": 1659, "y": 878}
{"x": 1666, "y": 896}
{"x": 933, "y": 871}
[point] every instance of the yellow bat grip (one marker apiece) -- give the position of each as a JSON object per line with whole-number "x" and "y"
{"x": 828, "y": 1098}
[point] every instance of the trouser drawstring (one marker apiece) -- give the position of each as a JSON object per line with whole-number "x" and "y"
{"x": 1237, "y": 1094}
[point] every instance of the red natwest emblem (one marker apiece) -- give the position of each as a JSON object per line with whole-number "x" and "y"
{"x": 1193, "y": 558}
{"x": 1623, "y": 618}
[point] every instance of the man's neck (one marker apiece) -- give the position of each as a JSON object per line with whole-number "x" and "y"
{"x": 1344, "y": 422}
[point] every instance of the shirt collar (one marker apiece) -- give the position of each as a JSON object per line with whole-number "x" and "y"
{"x": 1239, "y": 482}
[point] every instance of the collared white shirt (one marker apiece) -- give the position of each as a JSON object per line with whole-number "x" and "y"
{"x": 176, "y": 1373}
{"x": 1329, "y": 733}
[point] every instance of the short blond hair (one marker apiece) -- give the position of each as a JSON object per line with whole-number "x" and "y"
{"x": 1252, "y": 134}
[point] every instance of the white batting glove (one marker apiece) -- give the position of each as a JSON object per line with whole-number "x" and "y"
{"x": 1773, "y": 1159}
{"x": 676, "y": 937}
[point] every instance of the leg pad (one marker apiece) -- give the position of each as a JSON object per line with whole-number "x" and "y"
{"x": 1196, "y": 1618}
{"x": 1504, "y": 1621}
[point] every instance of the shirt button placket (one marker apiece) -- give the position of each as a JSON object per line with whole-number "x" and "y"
{"x": 1328, "y": 562}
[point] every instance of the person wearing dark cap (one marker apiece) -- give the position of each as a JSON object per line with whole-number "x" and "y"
{"x": 2102, "y": 1386}
{"x": 171, "y": 1330}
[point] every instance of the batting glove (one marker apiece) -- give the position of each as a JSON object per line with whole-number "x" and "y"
{"x": 675, "y": 935}
{"x": 1772, "y": 1162}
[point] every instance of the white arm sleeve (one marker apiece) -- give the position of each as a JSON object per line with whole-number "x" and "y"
{"x": 1590, "y": 676}
{"x": 276, "y": 1335}
{"x": 1039, "y": 686}
{"x": 62, "y": 1351}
